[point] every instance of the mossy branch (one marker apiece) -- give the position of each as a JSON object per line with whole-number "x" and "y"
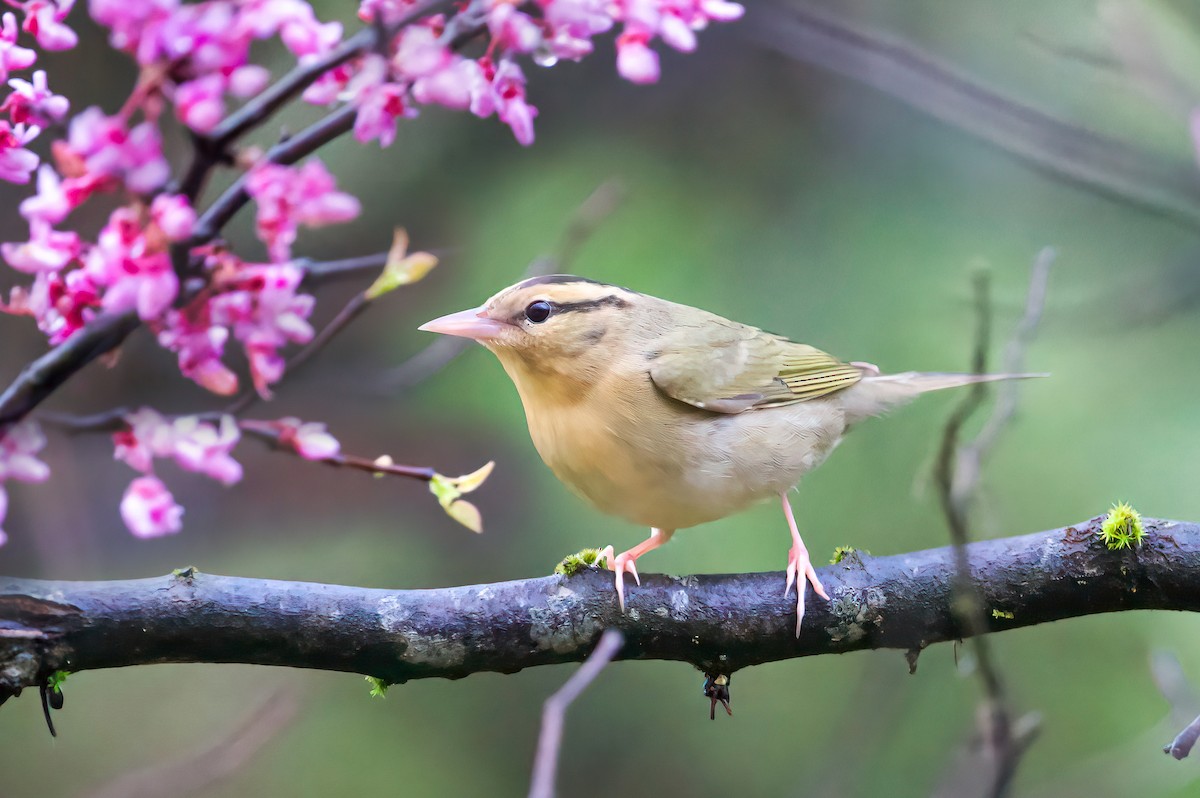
{"x": 718, "y": 623}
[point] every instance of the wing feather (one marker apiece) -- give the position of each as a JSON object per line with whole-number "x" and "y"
{"x": 727, "y": 367}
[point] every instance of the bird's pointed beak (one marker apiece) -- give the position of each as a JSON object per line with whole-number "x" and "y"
{"x": 474, "y": 324}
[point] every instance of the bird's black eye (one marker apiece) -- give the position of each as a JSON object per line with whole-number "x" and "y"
{"x": 539, "y": 311}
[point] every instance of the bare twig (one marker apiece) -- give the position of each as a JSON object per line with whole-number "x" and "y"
{"x": 352, "y": 310}
{"x": 545, "y": 761}
{"x": 211, "y": 765}
{"x": 971, "y": 455}
{"x": 1108, "y": 166}
{"x": 277, "y": 434}
{"x": 1001, "y": 743}
{"x": 272, "y": 432}
{"x": 590, "y": 214}
{"x": 1174, "y": 685}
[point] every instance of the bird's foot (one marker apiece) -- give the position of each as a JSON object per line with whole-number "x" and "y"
{"x": 621, "y": 564}
{"x": 799, "y": 563}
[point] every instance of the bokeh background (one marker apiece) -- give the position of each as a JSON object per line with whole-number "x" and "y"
{"x": 763, "y": 187}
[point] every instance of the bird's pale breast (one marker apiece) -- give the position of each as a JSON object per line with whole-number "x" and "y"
{"x": 651, "y": 460}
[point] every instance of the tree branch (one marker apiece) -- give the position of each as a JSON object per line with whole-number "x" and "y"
{"x": 718, "y": 623}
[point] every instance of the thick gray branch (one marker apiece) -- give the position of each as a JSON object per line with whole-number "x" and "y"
{"x": 717, "y": 623}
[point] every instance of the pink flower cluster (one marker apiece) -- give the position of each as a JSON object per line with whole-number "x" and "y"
{"x": 148, "y": 508}
{"x": 259, "y": 304}
{"x": 203, "y": 49}
{"x": 19, "y": 446}
{"x": 128, "y": 267}
{"x": 31, "y": 106}
{"x": 423, "y": 69}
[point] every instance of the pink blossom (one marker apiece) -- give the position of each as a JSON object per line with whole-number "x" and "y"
{"x": 18, "y": 446}
{"x": 636, "y": 62}
{"x": 310, "y": 439}
{"x": 305, "y": 36}
{"x": 16, "y": 162}
{"x": 288, "y": 197}
{"x": 44, "y": 21}
{"x": 149, "y": 509}
{"x": 134, "y": 273}
{"x": 512, "y": 30}
{"x": 12, "y": 57}
{"x": 420, "y": 52}
{"x": 380, "y": 103}
{"x": 452, "y": 86}
{"x": 196, "y": 445}
{"x": 388, "y": 11}
{"x": 61, "y": 303}
{"x": 200, "y": 346}
{"x": 173, "y": 215}
{"x": 148, "y": 435}
{"x": 106, "y": 149}
{"x": 200, "y": 103}
{"x": 204, "y": 448}
{"x": 248, "y": 80}
{"x": 34, "y": 102}
{"x": 329, "y": 87}
{"x": 51, "y": 203}
{"x": 504, "y": 95}
{"x": 46, "y": 250}
{"x": 266, "y": 315}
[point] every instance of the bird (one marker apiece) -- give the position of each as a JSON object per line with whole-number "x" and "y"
{"x": 670, "y": 416}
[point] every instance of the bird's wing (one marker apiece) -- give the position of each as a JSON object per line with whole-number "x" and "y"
{"x": 727, "y": 367}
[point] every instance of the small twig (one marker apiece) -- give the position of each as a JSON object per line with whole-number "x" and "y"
{"x": 590, "y": 214}
{"x": 357, "y": 304}
{"x": 971, "y": 455}
{"x": 1108, "y": 166}
{"x": 271, "y": 432}
{"x": 1173, "y": 684}
{"x": 957, "y": 476}
{"x": 545, "y": 762}
{"x": 219, "y": 760}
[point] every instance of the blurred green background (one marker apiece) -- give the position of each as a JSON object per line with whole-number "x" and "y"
{"x": 761, "y": 188}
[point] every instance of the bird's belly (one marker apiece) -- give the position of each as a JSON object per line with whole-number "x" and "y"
{"x": 707, "y": 467}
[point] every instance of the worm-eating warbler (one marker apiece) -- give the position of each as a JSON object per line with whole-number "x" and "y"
{"x": 671, "y": 416}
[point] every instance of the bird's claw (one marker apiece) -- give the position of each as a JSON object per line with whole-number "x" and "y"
{"x": 621, "y": 564}
{"x": 799, "y": 563}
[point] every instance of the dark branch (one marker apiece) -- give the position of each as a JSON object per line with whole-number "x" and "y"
{"x": 41, "y": 377}
{"x": 717, "y": 623}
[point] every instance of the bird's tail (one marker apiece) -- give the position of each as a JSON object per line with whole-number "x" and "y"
{"x": 878, "y": 393}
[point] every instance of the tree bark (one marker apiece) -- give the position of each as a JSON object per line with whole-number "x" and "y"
{"x": 719, "y": 623}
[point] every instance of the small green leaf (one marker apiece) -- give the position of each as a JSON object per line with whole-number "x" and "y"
{"x": 1003, "y": 614}
{"x": 449, "y": 491}
{"x": 1122, "y": 529}
{"x": 401, "y": 268}
{"x": 466, "y": 514}
{"x": 379, "y": 687}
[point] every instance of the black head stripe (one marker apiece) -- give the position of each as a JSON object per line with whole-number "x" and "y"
{"x": 612, "y": 300}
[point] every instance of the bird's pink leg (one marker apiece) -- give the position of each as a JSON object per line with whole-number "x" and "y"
{"x": 625, "y": 560}
{"x": 799, "y": 564}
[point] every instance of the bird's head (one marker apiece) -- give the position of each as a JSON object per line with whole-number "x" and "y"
{"x": 557, "y": 325}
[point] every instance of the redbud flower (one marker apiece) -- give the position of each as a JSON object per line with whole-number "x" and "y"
{"x": 149, "y": 509}
{"x": 18, "y": 446}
